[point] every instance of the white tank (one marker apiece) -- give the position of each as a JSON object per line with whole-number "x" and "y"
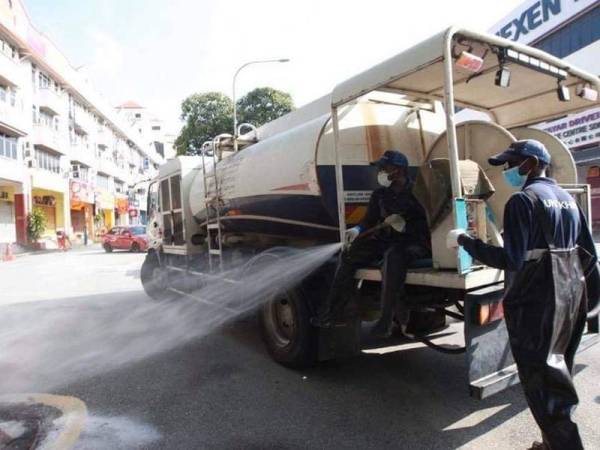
{"x": 284, "y": 185}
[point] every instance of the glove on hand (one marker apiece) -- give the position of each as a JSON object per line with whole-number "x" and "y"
{"x": 452, "y": 237}
{"x": 351, "y": 234}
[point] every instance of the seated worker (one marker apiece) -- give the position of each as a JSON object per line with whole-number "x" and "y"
{"x": 398, "y": 249}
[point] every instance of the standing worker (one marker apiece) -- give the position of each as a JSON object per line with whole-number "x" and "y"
{"x": 545, "y": 302}
{"x": 394, "y": 199}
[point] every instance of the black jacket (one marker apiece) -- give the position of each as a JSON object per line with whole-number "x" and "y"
{"x": 522, "y": 231}
{"x": 384, "y": 202}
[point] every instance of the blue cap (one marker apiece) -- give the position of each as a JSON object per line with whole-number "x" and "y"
{"x": 391, "y": 157}
{"x": 519, "y": 150}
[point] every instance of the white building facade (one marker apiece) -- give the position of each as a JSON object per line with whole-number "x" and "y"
{"x": 568, "y": 29}
{"x": 63, "y": 150}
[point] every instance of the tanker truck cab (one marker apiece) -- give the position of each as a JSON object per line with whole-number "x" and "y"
{"x": 305, "y": 177}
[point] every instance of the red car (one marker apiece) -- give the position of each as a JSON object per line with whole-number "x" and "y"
{"x": 126, "y": 238}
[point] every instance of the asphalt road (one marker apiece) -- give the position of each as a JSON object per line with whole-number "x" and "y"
{"x": 78, "y": 324}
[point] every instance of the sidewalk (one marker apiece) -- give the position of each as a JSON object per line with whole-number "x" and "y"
{"x": 19, "y": 251}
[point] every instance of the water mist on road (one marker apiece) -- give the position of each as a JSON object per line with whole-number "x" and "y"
{"x": 47, "y": 344}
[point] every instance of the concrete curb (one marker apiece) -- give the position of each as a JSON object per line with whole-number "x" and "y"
{"x": 74, "y": 414}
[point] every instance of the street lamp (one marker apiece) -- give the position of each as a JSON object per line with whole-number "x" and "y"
{"x": 235, "y": 131}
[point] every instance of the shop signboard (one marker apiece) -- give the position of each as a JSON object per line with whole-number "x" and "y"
{"x": 534, "y": 18}
{"x": 44, "y": 200}
{"x": 122, "y": 204}
{"x": 576, "y": 130}
{"x": 104, "y": 200}
{"x": 80, "y": 192}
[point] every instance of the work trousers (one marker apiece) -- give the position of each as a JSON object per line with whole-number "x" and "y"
{"x": 545, "y": 311}
{"x": 397, "y": 256}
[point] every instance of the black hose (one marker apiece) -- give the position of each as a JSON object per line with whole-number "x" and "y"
{"x": 441, "y": 348}
{"x": 454, "y": 315}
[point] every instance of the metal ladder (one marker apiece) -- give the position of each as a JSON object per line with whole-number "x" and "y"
{"x": 213, "y": 226}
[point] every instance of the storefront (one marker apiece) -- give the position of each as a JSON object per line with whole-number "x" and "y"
{"x": 104, "y": 218}
{"x": 121, "y": 210}
{"x": 8, "y": 229}
{"x": 51, "y": 204}
{"x": 135, "y": 213}
{"x": 82, "y": 211}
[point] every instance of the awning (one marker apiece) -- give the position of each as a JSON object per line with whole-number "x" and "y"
{"x": 419, "y": 73}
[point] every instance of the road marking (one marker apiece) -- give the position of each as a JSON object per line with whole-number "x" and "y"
{"x": 74, "y": 414}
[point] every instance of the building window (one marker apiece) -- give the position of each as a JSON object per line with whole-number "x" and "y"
{"x": 81, "y": 173}
{"x": 138, "y": 115}
{"x": 8, "y": 95}
{"x": 9, "y": 50}
{"x": 46, "y": 120}
{"x": 47, "y": 161}
{"x": 8, "y": 146}
{"x": 44, "y": 81}
{"x": 103, "y": 182}
{"x": 156, "y": 127}
{"x": 119, "y": 187}
{"x": 574, "y": 36}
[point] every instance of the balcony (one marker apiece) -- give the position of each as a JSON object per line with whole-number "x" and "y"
{"x": 103, "y": 140}
{"x": 107, "y": 166}
{"x": 82, "y": 154}
{"x": 81, "y": 123}
{"x": 12, "y": 120}
{"x": 47, "y": 138}
{"x": 49, "y": 101}
{"x": 9, "y": 70}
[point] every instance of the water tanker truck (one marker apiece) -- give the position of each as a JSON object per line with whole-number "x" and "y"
{"x": 448, "y": 104}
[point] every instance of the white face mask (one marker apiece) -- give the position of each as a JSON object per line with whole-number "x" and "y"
{"x": 383, "y": 180}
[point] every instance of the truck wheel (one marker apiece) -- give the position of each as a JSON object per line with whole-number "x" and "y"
{"x": 107, "y": 248}
{"x": 154, "y": 278}
{"x": 286, "y": 331}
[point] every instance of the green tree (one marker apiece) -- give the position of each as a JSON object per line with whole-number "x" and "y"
{"x": 209, "y": 114}
{"x": 263, "y": 105}
{"x": 205, "y": 115}
{"x": 36, "y": 224}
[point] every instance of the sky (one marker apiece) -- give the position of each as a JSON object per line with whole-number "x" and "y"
{"x": 158, "y": 52}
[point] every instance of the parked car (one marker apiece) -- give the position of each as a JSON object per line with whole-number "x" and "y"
{"x": 126, "y": 238}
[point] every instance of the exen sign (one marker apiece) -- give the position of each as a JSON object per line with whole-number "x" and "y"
{"x": 533, "y": 19}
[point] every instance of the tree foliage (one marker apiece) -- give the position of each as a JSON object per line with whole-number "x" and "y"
{"x": 205, "y": 115}
{"x": 209, "y": 114}
{"x": 263, "y": 105}
{"x": 36, "y": 224}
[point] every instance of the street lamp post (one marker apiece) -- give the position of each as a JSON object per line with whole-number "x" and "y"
{"x": 235, "y": 124}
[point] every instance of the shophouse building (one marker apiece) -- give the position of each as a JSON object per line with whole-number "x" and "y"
{"x": 63, "y": 150}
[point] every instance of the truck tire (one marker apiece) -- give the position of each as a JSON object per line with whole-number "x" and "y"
{"x": 283, "y": 316}
{"x": 288, "y": 335}
{"x": 154, "y": 278}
